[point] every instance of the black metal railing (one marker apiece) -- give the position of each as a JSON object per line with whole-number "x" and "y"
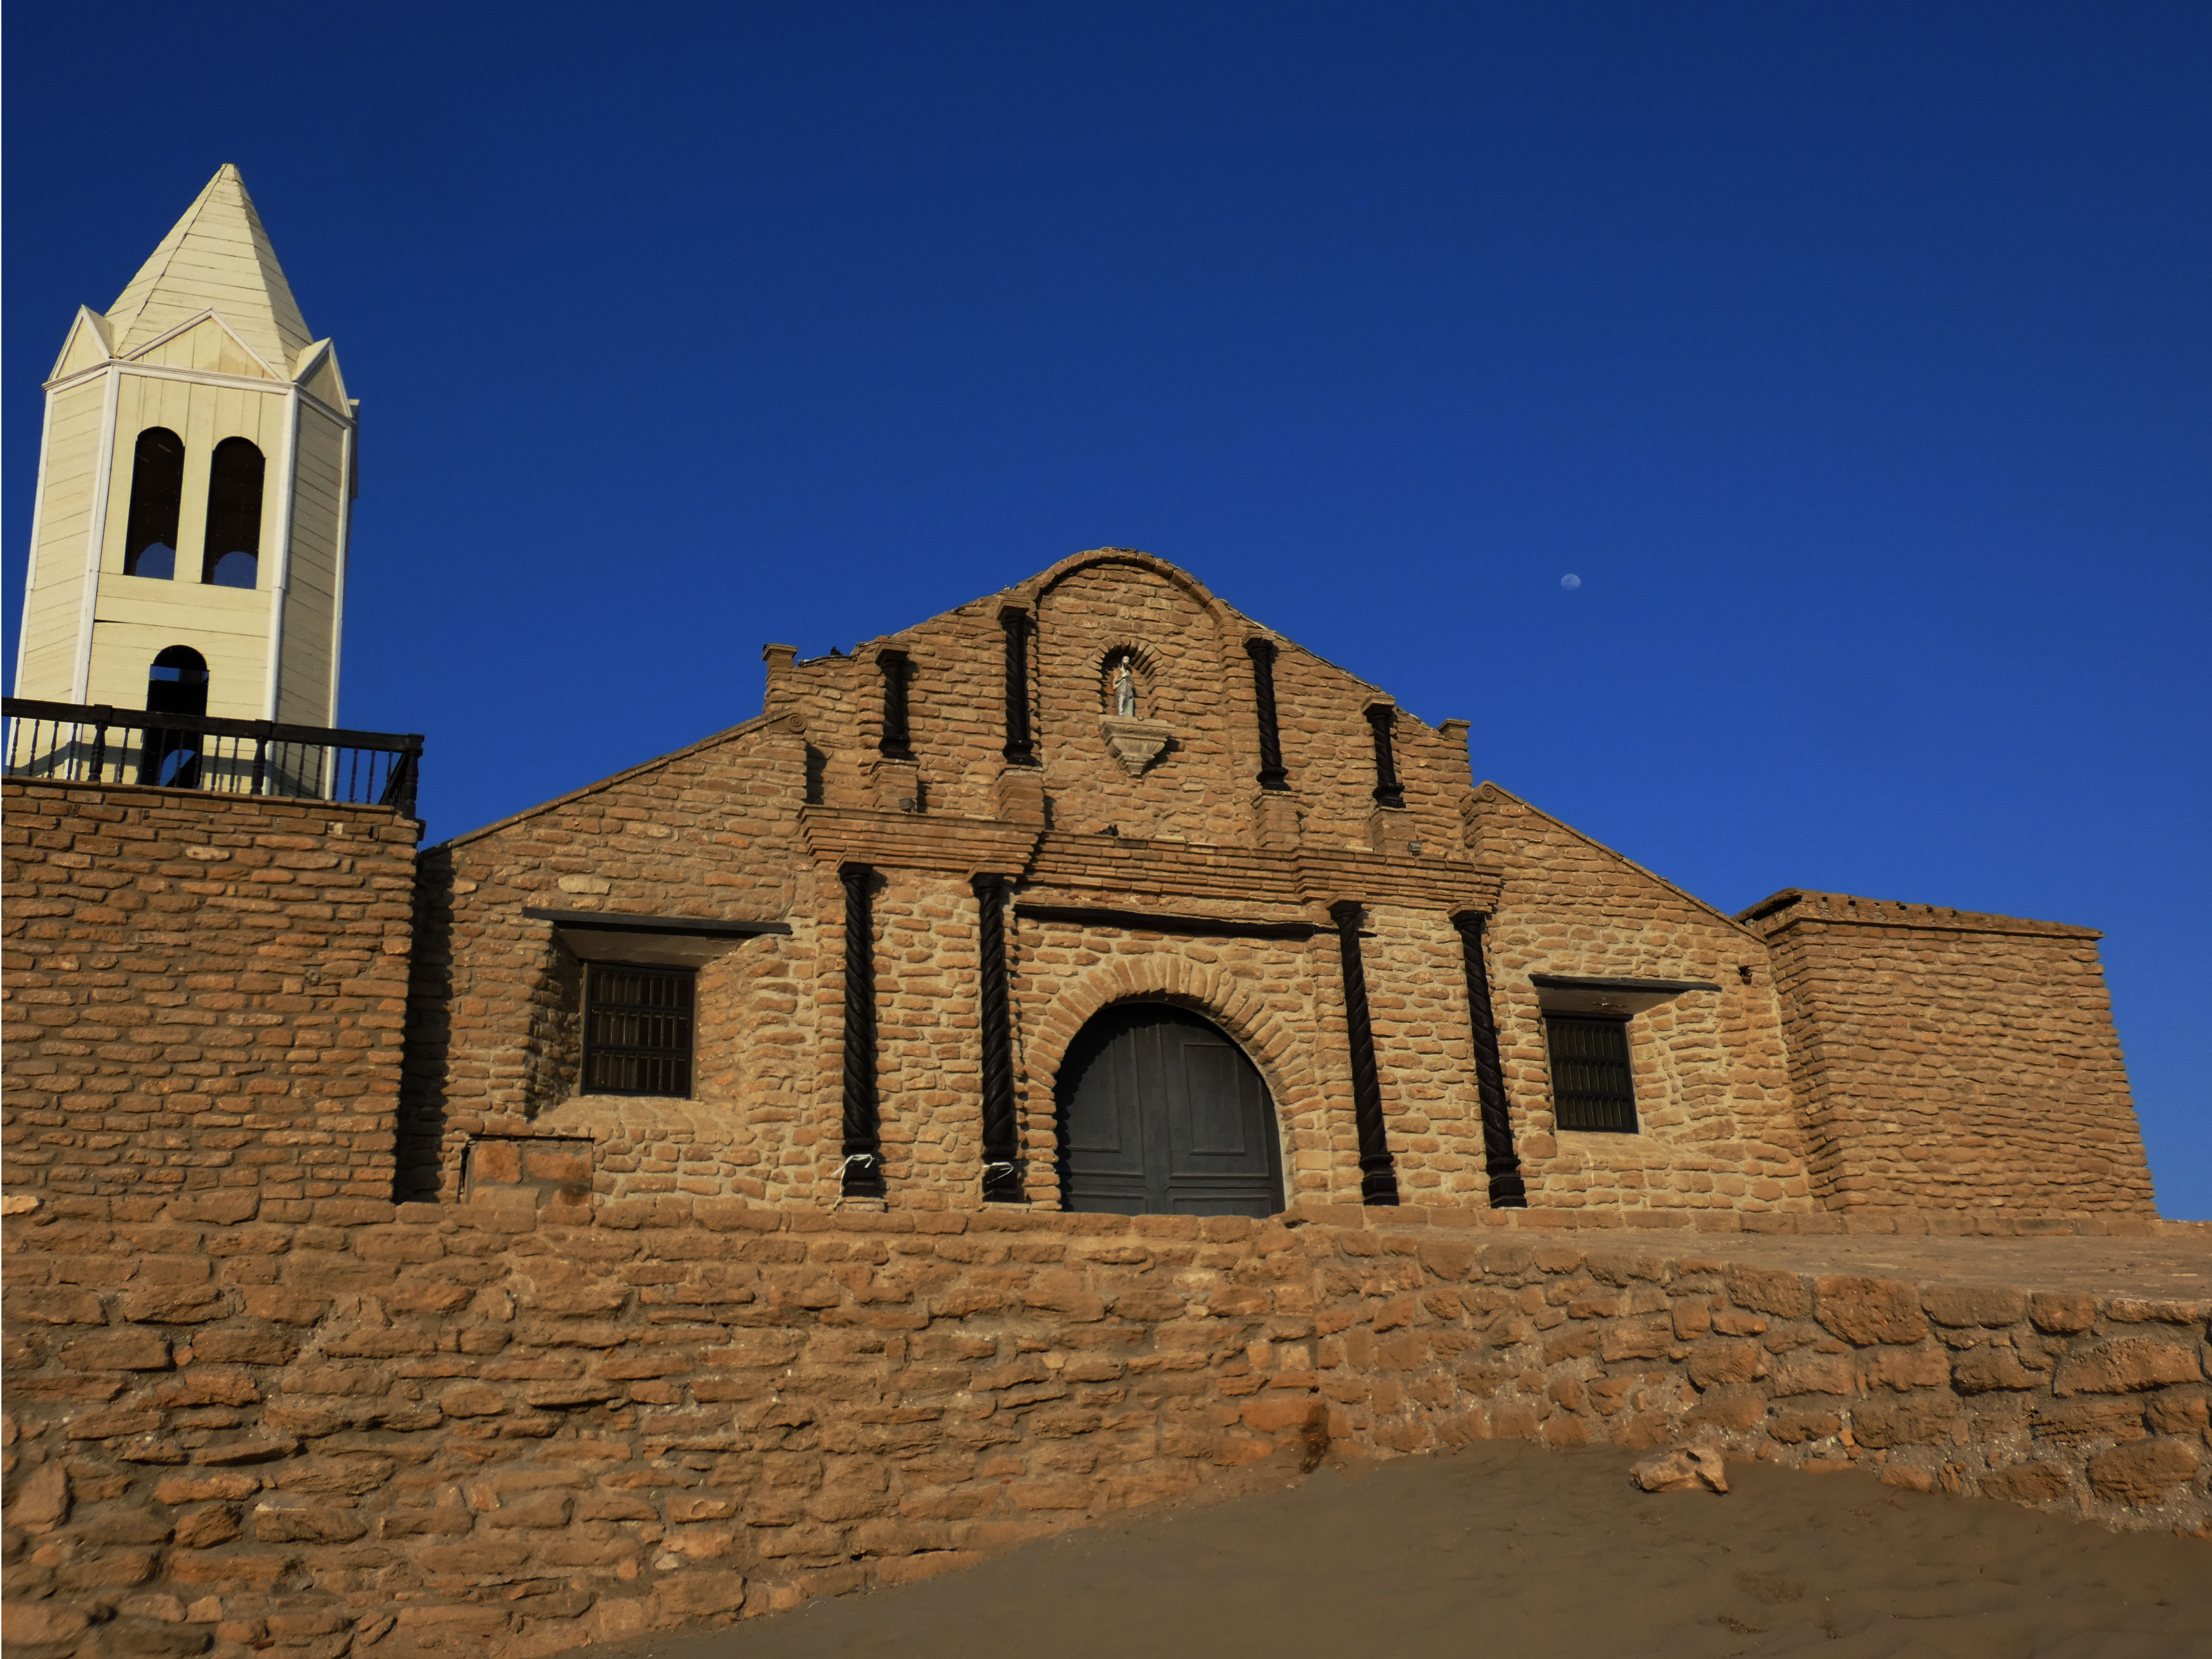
{"x": 81, "y": 743}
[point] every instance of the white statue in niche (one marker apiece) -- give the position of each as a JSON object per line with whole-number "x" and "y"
{"x": 1136, "y": 743}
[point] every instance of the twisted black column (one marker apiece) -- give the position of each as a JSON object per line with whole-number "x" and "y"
{"x": 1506, "y": 1190}
{"x": 1387, "y": 790}
{"x": 1021, "y": 747}
{"x": 1271, "y": 775}
{"x": 1002, "y": 1136}
{"x": 896, "y": 743}
{"x": 1378, "y": 1176}
{"x": 863, "y": 1175}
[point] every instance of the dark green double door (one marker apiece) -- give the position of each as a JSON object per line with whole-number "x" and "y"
{"x": 1162, "y": 1114}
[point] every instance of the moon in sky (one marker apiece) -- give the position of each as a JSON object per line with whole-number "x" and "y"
{"x": 1570, "y": 582}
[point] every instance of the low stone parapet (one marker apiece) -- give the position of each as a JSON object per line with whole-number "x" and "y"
{"x": 497, "y": 1427}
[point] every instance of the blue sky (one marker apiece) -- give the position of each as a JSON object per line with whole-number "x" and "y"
{"x": 1854, "y": 356}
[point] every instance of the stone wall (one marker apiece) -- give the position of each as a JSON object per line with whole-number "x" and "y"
{"x": 1946, "y": 1059}
{"x": 1719, "y": 1128}
{"x": 481, "y": 1428}
{"x": 203, "y": 994}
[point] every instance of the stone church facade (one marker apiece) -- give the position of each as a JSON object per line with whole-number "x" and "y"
{"x": 1093, "y": 895}
{"x": 1008, "y": 907}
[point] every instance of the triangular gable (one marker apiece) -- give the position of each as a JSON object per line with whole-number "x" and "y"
{"x": 217, "y": 258}
{"x": 317, "y": 373}
{"x": 758, "y": 723}
{"x": 89, "y": 343}
{"x": 1488, "y": 792}
{"x": 205, "y": 342}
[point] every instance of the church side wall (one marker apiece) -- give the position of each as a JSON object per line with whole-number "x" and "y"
{"x": 1719, "y": 1127}
{"x": 493, "y": 1027}
{"x": 1952, "y": 1060}
{"x": 203, "y": 994}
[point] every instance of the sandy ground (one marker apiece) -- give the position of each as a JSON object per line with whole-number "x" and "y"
{"x": 1514, "y": 1550}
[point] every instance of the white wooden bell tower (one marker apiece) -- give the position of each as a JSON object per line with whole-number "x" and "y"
{"x": 195, "y": 479}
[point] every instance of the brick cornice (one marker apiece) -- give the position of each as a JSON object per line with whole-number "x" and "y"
{"x": 913, "y": 841}
{"x": 1265, "y": 875}
{"x": 1795, "y": 908}
{"x": 1164, "y": 869}
{"x": 1444, "y": 883}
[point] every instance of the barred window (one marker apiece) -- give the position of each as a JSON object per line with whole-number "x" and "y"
{"x": 1590, "y": 1085}
{"x": 637, "y": 1029}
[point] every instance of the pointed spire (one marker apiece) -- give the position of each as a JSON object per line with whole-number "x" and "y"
{"x": 217, "y": 258}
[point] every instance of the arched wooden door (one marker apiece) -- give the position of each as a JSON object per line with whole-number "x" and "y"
{"x": 1160, "y": 1114}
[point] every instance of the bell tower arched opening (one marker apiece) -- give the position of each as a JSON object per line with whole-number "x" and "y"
{"x": 1161, "y": 1113}
{"x": 157, "y": 493}
{"x": 177, "y": 684}
{"x": 233, "y": 558}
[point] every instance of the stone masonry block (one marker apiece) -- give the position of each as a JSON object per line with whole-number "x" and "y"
{"x": 1863, "y": 1311}
{"x": 2143, "y": 1471}
{"x": 2128, "y": 1365}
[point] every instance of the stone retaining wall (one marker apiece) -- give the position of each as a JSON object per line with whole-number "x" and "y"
{"x": 496, "y": 1428}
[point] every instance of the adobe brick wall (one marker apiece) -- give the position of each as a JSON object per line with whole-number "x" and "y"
{"x": 1720, "y": 1129}
{"x": 203, "y": 992}
{"x": 476, "y": 1428}
{"x": 1948, "y": 1060}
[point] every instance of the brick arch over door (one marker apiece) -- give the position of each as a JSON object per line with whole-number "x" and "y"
{"x": 1284, "y": 1058}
